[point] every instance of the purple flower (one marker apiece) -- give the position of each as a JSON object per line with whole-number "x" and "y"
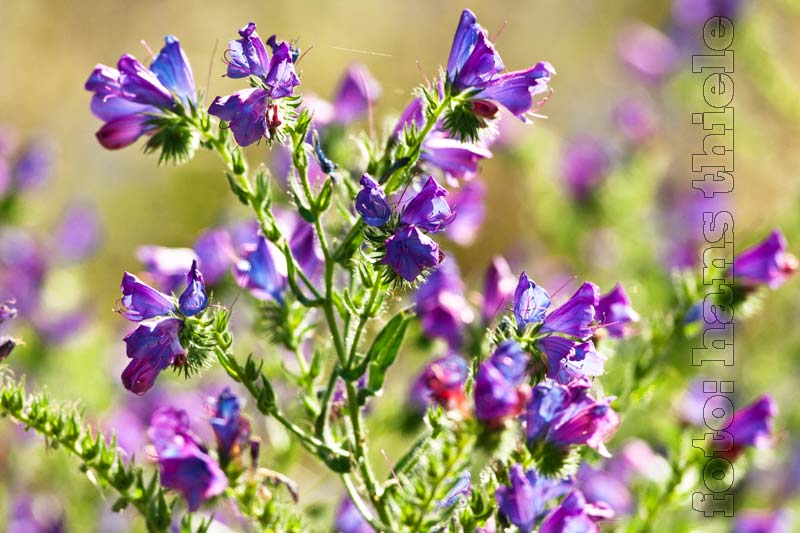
{"x": 766, "y": 263}
{"x": 167, "y": 266}
{"x": 614, "y": 311}
{"x": 140, "y": 301}
{"x": 78, "y": 234}
{"x": 7, "y": 311}
{"x": 575, "y": 316}
{"x": 128, "y": 97}
{"x": 428, "y": 209}
{"x": 500, "y": 388}
{"x": 412, "y": 115}
{"x": 498, "y": 287}
{"x": 194, "y": 299}
{"x": 693, "y": 12}
{"x": 761, "y": 521}
{"x": 566, "y": 415}
{"x": 647, "y": 52}
{"x": 409, "y": 252}
{"x": 34, "y": 165}
{"x": 306, "y": 248}
{"x": 461, "y": 489}
{"x": 356, "y": 92}
{"x": 29, "y": 516}
{"x": 458, "y": 160}
{"x": 600, "y": 486}
{"x": 231, "y": 429}
{"x": 475, "y": 65}
{"x": 568, "y": 359}
{"x": 576, "y": 515}
{"x": 152, "y": 347}
{"x": 214, "y": 249}
{"x": 22, "y": 270}
{"x": 468, "y": 203}
{"x": 524, "y": 501}
{"x": 442, "y": 383}
{"x": 182, "y": 462}
{"x": 371, "y": 203}
{"x": 636, "y": 120}
{"x": 441, "y": 307}
{"x": 350, "y": 520}
{"x": 262, "y": 270}
{"x": 751, "y": 426}
{"x": 585, "y": 166}
{"x": 530, "y": 302}
{"x": 252, "y": 113}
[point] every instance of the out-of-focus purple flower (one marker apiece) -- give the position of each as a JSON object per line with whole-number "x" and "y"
{"x": 751, "y": 426}
{"x": 356, "y": 92}
{"x": 460, "y": 490}
{"x": 530, "y": 302}
{"x": 429, "y": 208}
{"x": 601, "y": 486}
{"x": 637, "y": 459}
{"x": 566, "y": 415}
{"x": 26, "y": 515}
{"x": 34, "y": 165}
{"x": 140, "y": 301}
{"x": 350, "y": 520}
{"x": 231, "y": 429}
{"x": 761, "y": 521}
{"x": 262, "y": 270}
{"x": 7, "y": 311}
{"x": 498, "y": 287}
{"x": 614, "y": 311}
{"x": 78, "y": 233}
{"x": 524, "y": 501}
{"x": 306, "y": 248}
{"x": 409, "y": 252}
{"x": 57, "y": 328}
{"x": 215, "y": 252}
{"x": 183, "y": 463}
{"x": 371, "y": 203}
{"x": 441, "y": 307}
{"x": 647, "y": 52}
{"x": 167, "y": 266}
{"x": 767, "y": 263}
{"x": 468, "y": 203}
{"x": 194, "y": 299}
{"x": 22, "y": 270}
{"x": 694, "y": 12}
{"x": 457, "y": 160}
{"x": 636, "y": 120}
{"x": 575, "y": 514}
{"x": 252, "y": 113}
{"x": 126, "y": 98}
{"x": 412, "y": 115}
{"x": 585, "y": 165}
{"x": 500, "y": 388}
{"x": 152, "y": 347}
{"x": 475, "y": 65}
{"x": 441, "y": 382}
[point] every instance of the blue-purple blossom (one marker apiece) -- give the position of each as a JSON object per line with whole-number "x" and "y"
{"x": 461, "y": 489}
{"x": 475, "y": 65}
{"x": 140, "y": 301}
{"x": 585, "y": 165}
{"x": 751, "y": 426}
{"x": 599, "y": 485}
{"x": 635, "y": 119}
{"x": 575, "y": 316}
{"x": 34, "y": 165}
{"x": 7, "y": 311}
{"x": 183, "y": 463}
{"x": 456, "y": 159}
{"x": 441, "y": 382}
{"x": 409, "y": 252}
{"x": 498, "y": 287}
{"x": 262, "y": 270}
{"x": 214, "y": 250}
{"x": 167, "y": 266}
{"x": 232, "y": 430}
{"x": 194, "y": 299}
{"x": 524, "y": 501}
{"x": 530, "y": 302}
{"x": 767, "y": 263}
{"x": 350, "y": 520}
{"x": 371, "y": 203}
{"x": 442, "y": 309}
{"x": 356, "y": 92}
{"x": 500, "y": 388}
{"x": 468, "y": 203}
{"x": 252, "y": 114}
{"x": 762, "y": 521}
{"x": 576, "y": 515}
{"x": 614, "y": 312}
{"x": 565, "y": 415}
{"x": 128, "y": 97}
{"x": 152, "y": 347}
{"x": 78, "y": 234}
{"x": 428, "y": 209}
{"x": 26, "y": 515}
{"x": 648, "y": 53}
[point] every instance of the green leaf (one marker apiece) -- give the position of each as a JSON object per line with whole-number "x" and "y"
{"x": 383, "y": 352}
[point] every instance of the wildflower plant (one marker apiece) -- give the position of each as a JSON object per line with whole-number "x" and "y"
{"x": 344, "y": 262}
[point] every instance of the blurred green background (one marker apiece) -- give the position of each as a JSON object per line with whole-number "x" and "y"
{"x": 48, "y": 48}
